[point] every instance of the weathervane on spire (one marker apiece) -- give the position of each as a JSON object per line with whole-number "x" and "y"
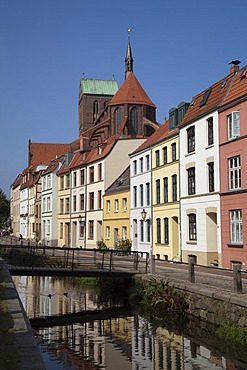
{"x": 128, "y": 59}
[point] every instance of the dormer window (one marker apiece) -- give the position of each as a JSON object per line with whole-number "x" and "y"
{"x": 117, "y": 120}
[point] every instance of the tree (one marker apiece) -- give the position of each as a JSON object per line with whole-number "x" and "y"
{"x": 4, "y": 208}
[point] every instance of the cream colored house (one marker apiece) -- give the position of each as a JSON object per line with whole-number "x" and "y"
{"x": 165, "y": 185}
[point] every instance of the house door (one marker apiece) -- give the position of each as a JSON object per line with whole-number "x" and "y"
{"x": 135, "y": 235}
{"x": 115, "y": 235}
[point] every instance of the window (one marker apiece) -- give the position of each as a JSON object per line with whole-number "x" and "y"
{"x": 82, "y": 177}
{"x": 61, "y": 230}
{"x": 67, "y": 205}
{"x": 91, "y": 200}
{"x": 148, "y": 193}
{"x": 157, "y": 158}
{"x": 95, "y": 110}
{"x": 211, "y": 176}
{"x": 135, "y": 196}
{"x": 62, "y": 206}
{"x": 157, "y": 191}
{"x": 134, "y": 121}
{"x": 67, "y": 181}
{"x": 158, "y": 230}
{"x": 191, "y": 139}
{"x": 44, "y": 183}
{"x": 235, "y": 173}
{"x": 142, "y": 230}
{"x": 108, "y": 206}
{"x": 174, "y": 152}
{"x": 48, "y": 230}
{"x": 108, "y": 233}
{"x": 166, "y": 230}
{"x": 91, "y": 229}
{"x": 117, "y": 120}
{"x": 82, "y": 202}
{"x": 49, "y": 181}
{"x": 74, "y": 179}
{"x": 210, "y": 131}
{"x": 141, "y": 165}
{"x": 165, "y": 154}
{"x": 124, "y": 232}
{"x": 61, "y": 182}
{"x": 165, "y": 180}
{"x": 124, "y": 204}
{"x": 233, "y": 125}
{"x": 141, "y": 195}
{"x": 99, "y": 199}
{"x": 192, "y": 227}
{"x": 236, "y": 226}
{"x": 174, "y": 188}
{"x": 48, "y": 203}
{"x": 91, "y": 174}
{"x": 135, "y": 167}
{"x": 116, "y": 205}
{"x": 74, "y": 203}
{"x": 100, "y": 171}
{"x": 205, "y": 97}
{"x": 191, "y": 181}
{"x": 82, "y": 229}
{"x": 148, "y": 231}
{"x": 147, "y": 162}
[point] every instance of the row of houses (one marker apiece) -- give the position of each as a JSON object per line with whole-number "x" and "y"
{"x": 174, "y": 189}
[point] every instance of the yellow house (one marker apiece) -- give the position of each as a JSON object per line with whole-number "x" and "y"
{"x": 116, "y": 210}
{"x": 63, "y": 217}
{"x": 165, "y": 185}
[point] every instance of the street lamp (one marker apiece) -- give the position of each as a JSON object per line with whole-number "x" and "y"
{"x": 144, "y": 214}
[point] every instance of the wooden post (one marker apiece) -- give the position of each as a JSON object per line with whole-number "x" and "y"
{"x": 152, "y": 264}
{"x": 237, "y": 280}
{"x": 111, "y": 259}
{"x": 73, "y": 255}
{"x": 191, "y": 267}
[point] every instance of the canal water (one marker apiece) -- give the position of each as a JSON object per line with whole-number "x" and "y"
{"x": 112, "y": 343}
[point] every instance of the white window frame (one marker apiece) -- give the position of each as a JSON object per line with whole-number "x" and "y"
{"x": 108, "y": 232}
{"x": 233, "y": 121}
{"x": 234, "y": 173}
{"x": 108, "y": 206}
{"x": 124, "y": 204}
{"x": 49, "y": 181}
{"x": 116, "y": 202}
{"x": 236, "y": 233}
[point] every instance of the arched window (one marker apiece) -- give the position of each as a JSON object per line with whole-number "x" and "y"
{"x": 134, "y": 121}
{"x": 117, "y": 120}
{"x": 95, "y": 110}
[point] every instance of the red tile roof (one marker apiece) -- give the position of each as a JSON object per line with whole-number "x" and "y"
{"x": 43, "y": 153}
{"x": 217, "y": 93}
{"x": 53, "y": 164}
{"x": 239, "y": 86}
{"x": 131, "y": 92}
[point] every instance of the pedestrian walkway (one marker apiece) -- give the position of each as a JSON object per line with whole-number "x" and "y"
{"x": 24, "y": 344}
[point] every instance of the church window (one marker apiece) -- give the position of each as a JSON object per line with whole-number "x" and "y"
{"x": 117, "y": 120}
{"x": 134, "y": 121}
{"x": 95, "y": 110}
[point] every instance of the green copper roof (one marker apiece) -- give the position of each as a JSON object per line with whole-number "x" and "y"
{"x": 100, "y": 87}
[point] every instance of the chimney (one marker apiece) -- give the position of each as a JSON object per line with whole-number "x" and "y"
{"x": 234, "y": 65}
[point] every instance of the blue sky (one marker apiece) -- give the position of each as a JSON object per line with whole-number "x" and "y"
{"x": 179, "y": 47}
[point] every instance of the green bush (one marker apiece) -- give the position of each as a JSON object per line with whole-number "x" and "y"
{"x": 101, "y": 245}
{"x": 235, "y": 334}
{"x": 123, "y": 246}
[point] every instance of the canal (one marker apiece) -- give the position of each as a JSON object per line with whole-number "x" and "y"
{"x": 113, "y": 343}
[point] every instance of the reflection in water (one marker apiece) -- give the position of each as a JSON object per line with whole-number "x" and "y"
{"x": 116, "y": 343}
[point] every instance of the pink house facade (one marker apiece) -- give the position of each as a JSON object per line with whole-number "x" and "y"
{"x": 233, "y": 165}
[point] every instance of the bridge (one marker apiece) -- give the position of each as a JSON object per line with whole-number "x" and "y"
{"x": 35, "y": 260}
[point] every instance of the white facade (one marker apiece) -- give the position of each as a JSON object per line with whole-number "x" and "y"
{"x": 200, "y": 210}
{"x": 49, "y": 207}
{"x": 140, "y": 195}
{"x": 24, "y": 195}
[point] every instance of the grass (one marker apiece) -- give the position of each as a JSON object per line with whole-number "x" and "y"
{"x": 9, "y": 357}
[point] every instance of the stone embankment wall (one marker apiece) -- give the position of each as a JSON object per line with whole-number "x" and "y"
{"x": 213, "y": 305}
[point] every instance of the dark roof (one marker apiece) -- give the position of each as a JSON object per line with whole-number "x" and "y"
{"x": 122, "y": 183}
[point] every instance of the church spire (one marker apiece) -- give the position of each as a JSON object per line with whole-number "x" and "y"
{"x": 128, "y": 59}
